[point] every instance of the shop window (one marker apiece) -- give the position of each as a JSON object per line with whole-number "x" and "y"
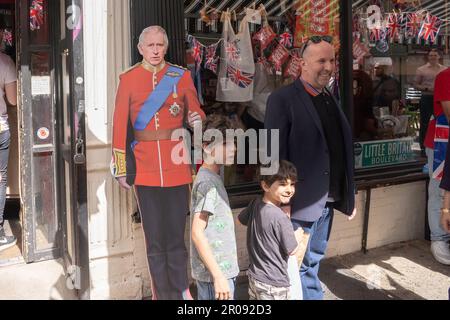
{"x": 391, "y": 40}
{"x": 235, "y": 71}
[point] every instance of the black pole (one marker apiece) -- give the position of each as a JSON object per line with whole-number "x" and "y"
{"x": 366, "y": 220}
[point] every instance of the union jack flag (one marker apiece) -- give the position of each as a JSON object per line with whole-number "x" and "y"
{"x": 412, "y": 24}
{"x": 8, "y": 37}
{"x": 197, "y": 52}
{"x": 377, "y": 34}
{"x": 211, "y": 58}
{"x": 232, "y": 51}
{"x": 393, "y": 25}
{"x": 430, "y": 28}
{"x": 286, "y": 39}
{"x": 440, "y": 146}
{"x": 240, "y": 78}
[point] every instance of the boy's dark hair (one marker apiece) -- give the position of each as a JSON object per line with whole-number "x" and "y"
{"x": 218, "y": 122}
{"x": 286, "y": 171}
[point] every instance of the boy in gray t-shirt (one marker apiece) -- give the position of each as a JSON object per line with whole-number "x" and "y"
{"x": 213, "y": 245}
{"x": 271, "y": 239}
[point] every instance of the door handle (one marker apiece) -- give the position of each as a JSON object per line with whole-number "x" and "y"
{"x": 79, "y": 157}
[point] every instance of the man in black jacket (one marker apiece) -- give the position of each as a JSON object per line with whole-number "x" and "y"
{"x": 316, "y": 137}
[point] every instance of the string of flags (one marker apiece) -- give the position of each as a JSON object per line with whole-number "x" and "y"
{"x": 400, "y": 27}
{"x": 211, "y": 58}
{"x": 208, "y": 57}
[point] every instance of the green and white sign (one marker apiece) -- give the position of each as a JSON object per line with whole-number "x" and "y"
{"x": 383, "y": 152}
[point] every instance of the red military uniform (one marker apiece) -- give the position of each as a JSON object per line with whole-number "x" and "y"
{"x": 154, "y": 166}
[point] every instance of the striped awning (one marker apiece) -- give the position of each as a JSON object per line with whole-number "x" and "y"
{"x": 274, "y": 8}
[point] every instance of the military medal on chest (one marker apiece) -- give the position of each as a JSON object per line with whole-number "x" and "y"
{"x": 175, "y": 108}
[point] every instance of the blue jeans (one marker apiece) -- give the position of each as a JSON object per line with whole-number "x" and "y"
{"x": 205, "y": 290}
{"x": 5, "y": 138}
{"x": 319, "y": 234}
{"x": 435, "y": 200}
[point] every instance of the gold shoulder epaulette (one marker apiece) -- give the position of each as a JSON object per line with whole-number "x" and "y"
{"x": 131, "y": 68}
{"x": 175, "y": 65}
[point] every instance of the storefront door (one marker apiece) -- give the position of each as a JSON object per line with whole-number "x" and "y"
{"x": 72, "y": 163}
{"x": 52, "y": 136}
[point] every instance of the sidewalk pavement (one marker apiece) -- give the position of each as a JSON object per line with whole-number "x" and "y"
{"x": 35, "y": 281}
{"x": 400, "y": 271}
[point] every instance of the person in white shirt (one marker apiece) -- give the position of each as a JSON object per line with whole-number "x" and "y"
{"x": 8, "y": 96}
{"x": 424, "y": 82}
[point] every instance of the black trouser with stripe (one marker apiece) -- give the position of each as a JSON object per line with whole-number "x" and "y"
{"x": 163, "y": 214}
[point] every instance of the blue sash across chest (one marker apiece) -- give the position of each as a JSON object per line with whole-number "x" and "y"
{"x": 158, "y": 96}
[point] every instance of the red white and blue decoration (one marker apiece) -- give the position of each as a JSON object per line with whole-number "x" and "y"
{"x": 430, "y": 28}
{"x": 393, "y": 26}
{"x": 211, "y": 59}
{"x": 36, "y": 14}
{"x": 8, "y": 37}
{"x": 286, "y": 39}
{"x": 279, "y": 57}
{"x": 197, "y": 51}
{"x": 440, "y": 146}
{"x": 264, "y": 36}
{"x": 378, "y": 34}
{"x": 240, "y": 78}
{"x": 412, "y": 25}
{"x": 232, "y": 51}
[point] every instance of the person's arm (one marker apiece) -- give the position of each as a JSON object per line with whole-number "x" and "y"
{"x": 286, "y": 235}
{"x": 199, "y": 224}
{"x": 9, "y": 77}
{"x": 445, "y": 212}
{"x": 11, "y": 93}
{"x": 120, "y": 127}
{"x": 446, "y": 109}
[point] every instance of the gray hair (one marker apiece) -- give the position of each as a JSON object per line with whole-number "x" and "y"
{"x": 156, "y": 29}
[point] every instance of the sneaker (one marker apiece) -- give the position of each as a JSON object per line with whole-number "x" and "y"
{"x": 7, "y": 242}
{"x": 441, "y": 251}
